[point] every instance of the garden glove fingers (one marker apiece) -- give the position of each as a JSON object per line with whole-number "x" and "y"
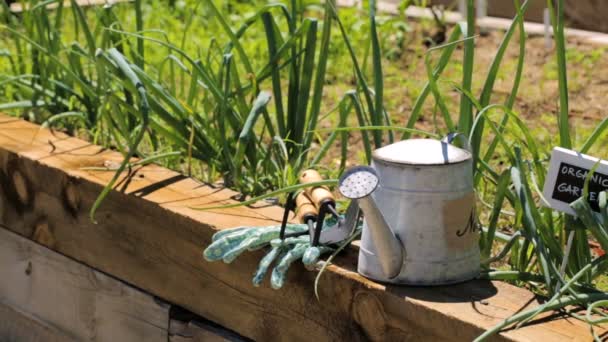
{"x": 258, "y": 239}
{"x": 312, "y": 254}
{"x": 265, "y": 263}
{"x": 277, "y": 279}
{"x": 233, "y": 253}
{"x": 230, "y": 243}
{"x": 290, "y": 241}
{"x": 225, "y": 232}
{"x": 274, "y": 232}
{"x": 227, "y": 242}
{"x": 279, "y": 249}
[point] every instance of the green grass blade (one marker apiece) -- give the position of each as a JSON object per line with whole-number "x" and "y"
{"x": 522, "y": 53}
{"x": 139, "y": 26}
{"x": 488, "y": 87}
{"x": 432, "y": 82}
{"x": 80, "y": 116}
{"x": 233, "y": 38}
{"x": 367, "y": 145}
{"x": 446, "y": 55}
{"x": 130, "y": 75}
{"x": 560, "y": 51}
{"x": 86, "y": 88}
{"x": 361, "y": 81}
{"x": 558, "y": 304}
{"x": 381, "y": 128}
{"x": 597, "y": 133}
{"x": 378, "y": 109}
{"x": 315, "y": 106}
{"x": 466, "y": 110}
{"x": 501, "y": 189}
{"x": 82, "y": 19}
{"x": 516, "y": 82}
{"x": 345, "y": 107}
{"x": 288, "y": 189}
{"x": 305, "y": 85}
{"x": 275, "y": 73}
{"x": 246, "y": 134}
{"x": 22, "y": 104}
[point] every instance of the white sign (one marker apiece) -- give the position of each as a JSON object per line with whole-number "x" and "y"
{"x": 566, "y": 178}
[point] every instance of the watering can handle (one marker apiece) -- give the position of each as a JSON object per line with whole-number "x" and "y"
{"x": 450, "y": 137}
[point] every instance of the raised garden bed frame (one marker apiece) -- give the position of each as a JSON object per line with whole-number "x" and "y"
{"x": 148, "y": 236}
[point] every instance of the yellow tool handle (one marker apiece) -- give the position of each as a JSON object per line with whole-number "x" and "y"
{"x": 305, "y": 210}
{"x": 318, "y": 194}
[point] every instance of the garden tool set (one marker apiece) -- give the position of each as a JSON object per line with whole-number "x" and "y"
{"x": 320, "y": 230}
{"x": 419, "y": 227}
{"x": 313, "y": 205}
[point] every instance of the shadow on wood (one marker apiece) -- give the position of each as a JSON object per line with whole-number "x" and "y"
{"x": 467, "y": 292}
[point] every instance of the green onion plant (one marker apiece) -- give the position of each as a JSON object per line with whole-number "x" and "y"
{"x": 242, "y": 100}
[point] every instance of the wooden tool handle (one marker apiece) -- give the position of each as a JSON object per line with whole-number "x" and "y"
{"x": 305, "y": 210}
{"x": 318, "y": 194}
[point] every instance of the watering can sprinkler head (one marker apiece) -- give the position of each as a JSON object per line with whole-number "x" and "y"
{"x": 358, "y": 182}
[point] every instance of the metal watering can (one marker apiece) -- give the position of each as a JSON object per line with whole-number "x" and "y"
{"x": 419, "y": 208}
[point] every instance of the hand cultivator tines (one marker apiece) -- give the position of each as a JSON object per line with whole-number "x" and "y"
{"x": 290, "y": 205}
{"x": 312, "y": 207}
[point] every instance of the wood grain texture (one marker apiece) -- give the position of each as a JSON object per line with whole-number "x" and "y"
{"x": 20, "y": 327}
{"x": 196, "y": 331}
{"x": 148, "y": 235}
{"x": 60, "y": 299}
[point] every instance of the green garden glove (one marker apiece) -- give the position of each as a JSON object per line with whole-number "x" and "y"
{"x": 287, "y": 251}
{"x": 228, "y": 244}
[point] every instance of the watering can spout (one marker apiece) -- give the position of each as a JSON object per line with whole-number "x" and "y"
{"x": 358, "y": 184}
{"x": 388, "y": 246}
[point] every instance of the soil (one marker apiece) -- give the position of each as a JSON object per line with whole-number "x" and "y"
{"x": 537, "y": 99}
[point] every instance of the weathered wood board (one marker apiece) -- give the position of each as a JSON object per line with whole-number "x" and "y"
{"x": 52, "y": 297}
{"x": 195, "y": 331}
{"x": 493, "y": 23}
{"x": 148, "y": 235}
{"x": 19, "y": 326}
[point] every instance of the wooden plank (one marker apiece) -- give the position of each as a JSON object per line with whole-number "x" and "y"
{"x": 148, "y": 235}
{"x": 185, "y": 326}
{"x": 62, "y": 299}
{"x": 19, "y": 326}
{"x": 196, "y": 331}
{"x": 489, "y": 22}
